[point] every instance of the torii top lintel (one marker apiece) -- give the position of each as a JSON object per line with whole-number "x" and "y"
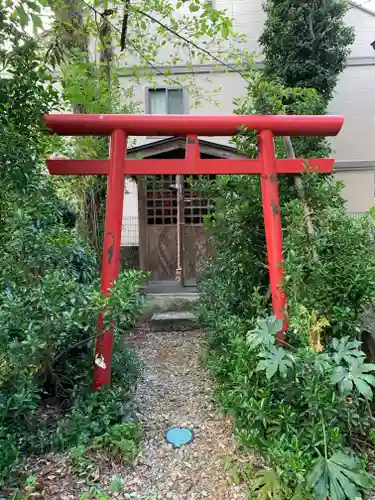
{"x": 183, "y": 125}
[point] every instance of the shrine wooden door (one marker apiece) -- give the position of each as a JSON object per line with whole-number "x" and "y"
{"x": 171, "y": 222}
{"x": 196, "y": 247}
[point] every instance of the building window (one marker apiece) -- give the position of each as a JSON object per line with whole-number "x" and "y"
{"x": 166, "y": 101}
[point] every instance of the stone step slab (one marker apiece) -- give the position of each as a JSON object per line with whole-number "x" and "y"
{"x": 174, "y": 321}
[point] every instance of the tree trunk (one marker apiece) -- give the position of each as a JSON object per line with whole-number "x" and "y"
{"x": 289, "y": 150}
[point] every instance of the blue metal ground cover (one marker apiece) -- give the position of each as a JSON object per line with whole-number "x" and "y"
{"x": 178, "y": 436}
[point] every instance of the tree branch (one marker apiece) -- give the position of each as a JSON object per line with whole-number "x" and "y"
{"x": 189, "y": 42}
{"x": 173, "y": 32}
{"x": 101, "y": 14}
{"x": 124, "y": 28}
{"x": 289, "y": 150}
{"x": 311, "y": 22}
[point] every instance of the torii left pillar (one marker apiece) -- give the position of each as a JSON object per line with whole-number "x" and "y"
{"x": 111, "y": 248}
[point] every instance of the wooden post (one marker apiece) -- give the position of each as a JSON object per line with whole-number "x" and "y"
{"x": 111, "y": 251}
{"x": 180, "y": 229}
{"x": 272, "y": 224}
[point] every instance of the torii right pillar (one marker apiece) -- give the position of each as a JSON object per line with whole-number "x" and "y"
{"x": 272, "y": 224}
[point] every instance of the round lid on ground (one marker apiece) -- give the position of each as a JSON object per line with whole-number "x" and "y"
{"x": 178, "y": 436}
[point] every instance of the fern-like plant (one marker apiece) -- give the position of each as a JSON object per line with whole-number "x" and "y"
{"x": 264, "y": 335}
{"x": 351, "y": 370}
{"x": 338, "y": 477}
{"x": 267, "y": 485}
{"x": 276, "y": 359}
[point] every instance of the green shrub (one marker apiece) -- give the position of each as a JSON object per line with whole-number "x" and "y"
{"x": 296, "y": 405}
{"x": 303, "y": 425}
{"x": 49, "y": 288}
{"x": 92, "y": 414}
{"x": 121, "y": 441}
{"x": 340, "y": 283}
{"x": 336, "y": 285}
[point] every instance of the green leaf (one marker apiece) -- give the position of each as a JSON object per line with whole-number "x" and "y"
{"x": 348, "y": 488}
{"x": 363, "y": 388}
{"x": 345, "y": 460}
{"x": 322, "y": 363}
{"x": 337, "y": 477}
{"x": 346, "y": 386}
{"x": 262, "y": 365}
{"x": 336, "y": 492}
{"x": 33, "y": 6}
{"x": 316, "y": 472}
{"x": 362, "y": 480}
{"x": 322, "y": 485}
{"x": 346, "y": 350}
{"x": 37, "y": 22}
{"x": 224, "y": 31}
{"x": 276, "y": 359}
{"x": 350, "y": 463}
{"x": 337, "y": 375}
{"x": 193, "y": 7}
{"x": 335, "y": 344}
{"x": 22, "y": 15}
{"x": 267, "y": 485}
{"x": 117, "y": 484}
{"x": 368, "y": 367}
{"x": 265, "y": 332}
{"x": 271, "y": 370}
{"x": 283, "y": 369}
{"x": 370, "y": 379}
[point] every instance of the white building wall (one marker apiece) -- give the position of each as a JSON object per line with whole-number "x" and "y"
{"x": 248, "y": 17}
{"x": 355, "y": 96}
{"x": 355, "y": 99}
{"x": 364, "y": 26}
{"x": 220, "y": 102}
{"x": 358, "y": 190}
{"x": 130, "y": 223}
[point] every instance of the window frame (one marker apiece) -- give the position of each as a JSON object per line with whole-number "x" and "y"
{"x": 185, "y": 102}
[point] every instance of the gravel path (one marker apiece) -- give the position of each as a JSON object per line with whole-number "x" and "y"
{"x": 176, "y": 391}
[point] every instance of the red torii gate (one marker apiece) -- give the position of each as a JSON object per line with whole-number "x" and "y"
{"x": 119, "y": 127}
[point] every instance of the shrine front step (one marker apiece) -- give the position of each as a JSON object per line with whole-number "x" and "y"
{"x": 174, "y": 321}
{"x": 166, "y": 302}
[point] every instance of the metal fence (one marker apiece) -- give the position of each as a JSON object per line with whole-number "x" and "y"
{"x": 130, "y": 232}
{"x": 130, "y": 243}
{"x": 129, "y": 258}
{"x": 356, "y": 215}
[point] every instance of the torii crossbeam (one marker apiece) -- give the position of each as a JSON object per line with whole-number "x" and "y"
{"x": 119, "y": 127}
